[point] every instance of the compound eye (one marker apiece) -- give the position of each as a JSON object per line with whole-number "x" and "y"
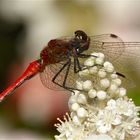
{"x": 81, "y": 35}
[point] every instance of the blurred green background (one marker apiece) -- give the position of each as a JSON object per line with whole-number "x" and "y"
{"x": 25, "y": 28}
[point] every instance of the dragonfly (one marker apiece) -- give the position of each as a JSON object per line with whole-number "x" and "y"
{"x": 62, "y": 58}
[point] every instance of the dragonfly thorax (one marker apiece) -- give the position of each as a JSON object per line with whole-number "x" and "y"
{"x": 54, "y": 52}
{"x": 60, "y": 49}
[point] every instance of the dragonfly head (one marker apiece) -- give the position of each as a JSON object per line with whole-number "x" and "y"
{"x": 81, "y": 35}
{"x": 83, "y": 41}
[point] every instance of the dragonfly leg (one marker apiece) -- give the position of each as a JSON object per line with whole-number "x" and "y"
{"x": 63, "y": 85}
{"x": 77, "y": 64}
{"x": 57, "y": 74}
{"x": 120, "y": 74}
{"x": 65, "y": 79}
{"x": 54, "y": 78}
{"x": 67, "y": 72}
{"x": 85, "y": 55}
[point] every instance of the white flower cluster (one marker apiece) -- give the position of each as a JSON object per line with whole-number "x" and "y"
{"x": 100, "y": 109}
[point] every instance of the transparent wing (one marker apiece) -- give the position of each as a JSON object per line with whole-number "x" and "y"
{"x": 51, "y": 70}
{"x": 107, "y": 44}
{"x": 47, "y": 75}
{"x": 120, "y": 53}
{"x": 125, "y": 56}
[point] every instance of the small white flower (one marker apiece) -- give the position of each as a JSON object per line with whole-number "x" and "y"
{"x": 111, "y": 104}
{"x": 108, "y": 67}
{"x": 84, "y": 73}
{"x": 89, "y": 62}
{"x": 107, "y": 64}
{"x": 121, "y": 92}
{"x": 93, "y": 70}
{"x": 105, "y": 83}
{"x": 99, "y": 61}
{"x": 113, "y": 88}
{"x": 81, "y": 112}
{"x": 122, "y": 107}
{"x": 99, "y": 137}
{"x": 101, "y": 55}
{"x": 117, "y": 81}
{"x": 126, "y": 128}
{"x": 87, "y": 85}
{"x": 76, "y": 120}
{"x": 69, "y": 131}
{"x": 92, "y": 93}
{"x": 105, "y": 119}
{"x": 73, "y": 98}
{"x": 114, "y": 76}
{"x": 125, "y": 107}
{"x": 75, "y": 106}
{"x": 95, "y": 54}
{"x": 101, "y": 95}
{"x": 82, "y": 99}
{"x": 102, "y": 73}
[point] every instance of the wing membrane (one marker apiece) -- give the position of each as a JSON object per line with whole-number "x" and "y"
{"x": 125, "y": 56}
{"x": 51, "y": 70}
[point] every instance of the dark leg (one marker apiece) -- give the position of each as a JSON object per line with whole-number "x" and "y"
{"x": 120, "y": 74}
{"x": 77, "y": 64}
{"x": 68, "y": 63}
{"x": 54, "y": 78}
{"x": 74, "y": 65}
{"x": 65, "y": 78}
{"x": 86, "y": 55}
{"x": 67, "y": 72}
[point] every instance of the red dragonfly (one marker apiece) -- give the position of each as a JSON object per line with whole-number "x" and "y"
{"x": 62, "y": 58}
